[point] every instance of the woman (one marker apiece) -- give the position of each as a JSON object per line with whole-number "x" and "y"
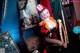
{"x": 48, "y": 26}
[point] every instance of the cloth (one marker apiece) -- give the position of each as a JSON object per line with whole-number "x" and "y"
{"x": 45, "y": 28}
{"x": 23, "y": 14}
{"x": 31, "y": 8}
{"x": 50, "y": 23}
{"x": 32, "y": 12}
{"x": 46, "y": 25}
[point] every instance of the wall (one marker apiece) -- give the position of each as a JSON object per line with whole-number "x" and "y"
{"x": 77, "y": 10}
{"x": 0, "y": 12}
{"x": 11, "y": 24}
{"x": 11, "y": 21}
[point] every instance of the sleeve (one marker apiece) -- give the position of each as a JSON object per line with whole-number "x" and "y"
{"x": 44, "y": 30}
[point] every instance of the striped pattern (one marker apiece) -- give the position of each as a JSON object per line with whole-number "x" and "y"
{"x": 40, "y": 7}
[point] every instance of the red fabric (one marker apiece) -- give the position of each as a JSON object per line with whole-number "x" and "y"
{"x": 46, "y": 3}
{"x": 43, "y": 29}
{"x": 55, "y": 35}
{"x": 45, "y": 50}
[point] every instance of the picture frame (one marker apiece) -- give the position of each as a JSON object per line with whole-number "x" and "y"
{"x": 7, "y": 43}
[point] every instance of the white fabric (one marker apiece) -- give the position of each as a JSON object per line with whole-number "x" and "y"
{"x": 59, "y": 20}
{"x": 23, "y": 14}
{"x": 50, "y": 23}
{"x": 31, "y": 8}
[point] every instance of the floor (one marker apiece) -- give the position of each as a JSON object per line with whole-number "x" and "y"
{"x": 73, "y": 46}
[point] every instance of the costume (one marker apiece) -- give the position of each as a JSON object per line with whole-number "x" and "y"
{"x": 46, "y": 27}
{"x": 49, "y": 26}
{"x": 47, "y": 23}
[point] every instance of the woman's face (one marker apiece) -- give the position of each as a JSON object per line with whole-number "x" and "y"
{"x": 45, "y": 14}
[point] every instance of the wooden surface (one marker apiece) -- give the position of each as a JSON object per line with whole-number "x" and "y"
{"x": 32, "y": 43}
{"x": 31, "y": 26}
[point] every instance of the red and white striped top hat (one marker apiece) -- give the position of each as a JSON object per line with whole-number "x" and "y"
{"x": 40, "y": 8}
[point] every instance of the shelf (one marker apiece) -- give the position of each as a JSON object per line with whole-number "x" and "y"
{"x": 31, "y": 26}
